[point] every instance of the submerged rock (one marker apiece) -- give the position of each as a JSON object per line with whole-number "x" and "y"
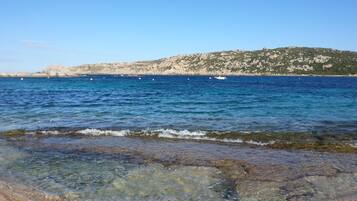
{"x": 340, "y": 187}
{"x": 310, "y": 188}
{"x": 155, "y": 182}
{"x": 259, "y": 190}
{"x": 9, "y": 154}
{"x": 109, "y": 168}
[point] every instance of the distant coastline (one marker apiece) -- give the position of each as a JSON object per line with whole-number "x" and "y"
{"x": 34, "y": 75}
{"x": 287, "y": 61}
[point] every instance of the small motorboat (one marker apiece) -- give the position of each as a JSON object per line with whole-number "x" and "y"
{"x": 220, "y": 77}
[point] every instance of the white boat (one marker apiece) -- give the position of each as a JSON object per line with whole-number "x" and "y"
{"x": 220, "y": 78}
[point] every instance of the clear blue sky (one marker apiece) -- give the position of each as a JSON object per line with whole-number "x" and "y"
{"x": 38, "y": 33}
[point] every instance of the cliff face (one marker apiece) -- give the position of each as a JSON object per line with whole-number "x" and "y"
{"x": 297, "y": 60}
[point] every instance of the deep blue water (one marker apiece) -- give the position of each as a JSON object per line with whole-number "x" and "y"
{"x": 321, "y": 104}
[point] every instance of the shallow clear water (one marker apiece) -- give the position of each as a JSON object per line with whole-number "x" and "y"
{"x": 79, "y": 175}
{"x": 112, "y": 168}
{"x": 326, "y": 104}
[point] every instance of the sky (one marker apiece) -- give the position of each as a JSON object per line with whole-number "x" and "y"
{"x": 39, "y": 33}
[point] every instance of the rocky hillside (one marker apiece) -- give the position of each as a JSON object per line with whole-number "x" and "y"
{"x": 291, "y": 60}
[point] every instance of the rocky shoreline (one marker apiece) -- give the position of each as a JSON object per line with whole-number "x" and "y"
{"x": 327, "y": 142}
{"x": 238, "y": 171}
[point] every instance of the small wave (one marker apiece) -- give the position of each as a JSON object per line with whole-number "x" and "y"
{"x": 97, "y": 132}
{"x": 163, "y": 133}
{"x": 168, "y": 133}
{"x": 51, "y": 132}
{"x": 172, "y": 132}
{"x": 354, "y": 145}
{"x": 156, "y": 133}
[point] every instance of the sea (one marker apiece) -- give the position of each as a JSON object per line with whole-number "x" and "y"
{"x": 151, "y": 137}
{"x": 180, "y": 103}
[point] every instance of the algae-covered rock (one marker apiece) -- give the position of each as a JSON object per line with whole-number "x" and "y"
{"x": 341, "y": 143}
{"x": 317, "y": 146}
{"x": 13, "y": 133}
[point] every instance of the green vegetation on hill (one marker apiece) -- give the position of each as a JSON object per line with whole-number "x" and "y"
{"x": 291, "y": 60}
{"x": 272, "y": 61}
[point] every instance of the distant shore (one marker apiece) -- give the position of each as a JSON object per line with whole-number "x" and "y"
{"x": 285, "y": 61}
{"x": 41, "y": 75}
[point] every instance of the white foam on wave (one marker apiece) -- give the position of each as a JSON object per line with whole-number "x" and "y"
{"x": 200, "y": 135}
{"x": 53, "y": 132}
{"x": 161, "y": 133}
{"x": 259, "y": 143}
{"x": 179, "y": 133}
{"x": 354, "y": 145}
{"x": 97, "y": 132}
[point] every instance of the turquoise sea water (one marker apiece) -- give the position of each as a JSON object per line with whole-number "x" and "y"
{"x": 196, "y": 103}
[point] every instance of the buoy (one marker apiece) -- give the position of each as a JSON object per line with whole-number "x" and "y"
{"x": 91, "y": 79}
{"x": 139, "y": 78}
{"x": 188, "y": 78}
{"x": 210, "y": 78}
{"x": 22, "y": 78}
{"x": 153, "y": 79}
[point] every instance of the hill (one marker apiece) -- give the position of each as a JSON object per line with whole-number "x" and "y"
{"x": 279, "y": 61}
